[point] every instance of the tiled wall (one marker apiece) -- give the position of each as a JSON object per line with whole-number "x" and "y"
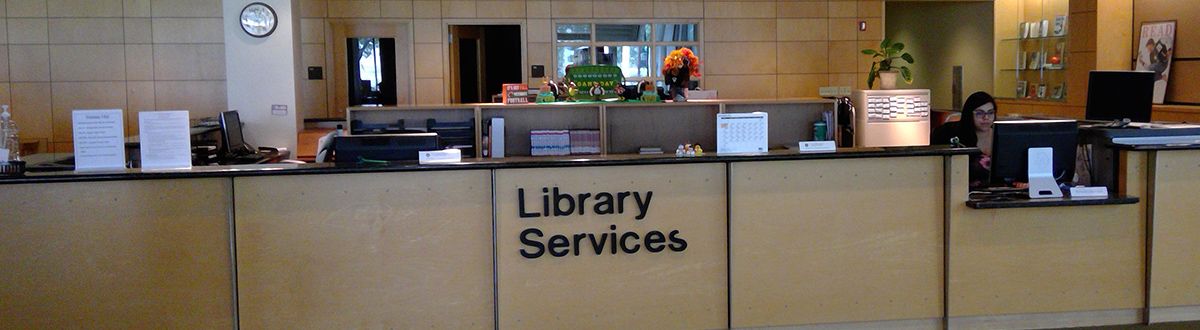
{"x": 137, "y": 55}
{"x": 752, "y": 49}
{"x": 142, "y": 55}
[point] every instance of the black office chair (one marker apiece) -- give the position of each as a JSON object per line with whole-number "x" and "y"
{"x": 944, "y": 133}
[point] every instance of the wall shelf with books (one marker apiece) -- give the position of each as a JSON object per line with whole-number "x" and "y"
{"x": 1031, "y": 56}
{"x": 1048, "y": 70}
{"x": 1053, "y": 37}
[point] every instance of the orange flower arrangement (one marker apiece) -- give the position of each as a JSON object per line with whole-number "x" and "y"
{"x": 679, "y": 59}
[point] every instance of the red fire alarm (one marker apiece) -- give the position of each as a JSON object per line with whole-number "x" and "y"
{"x": 862, "y": 25}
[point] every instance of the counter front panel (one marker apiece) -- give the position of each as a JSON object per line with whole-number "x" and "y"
{"x": 124, "y": 254}
{"x": 807, "y": 247}
{"x": 381, "y": 250}
{"x": 1046, "y": 260}
{"x": 1175, "y": 257}
{"x": 618, "y": 246}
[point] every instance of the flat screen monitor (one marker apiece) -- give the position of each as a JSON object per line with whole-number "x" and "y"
{"x": 232, "y": 142}
{"x": 1012, "y": 140}
{"x": 1116, "y": 95}
{"x": 382, "y": 147}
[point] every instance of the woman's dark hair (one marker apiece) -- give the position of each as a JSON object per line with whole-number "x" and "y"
{"x": 966, "y": 123}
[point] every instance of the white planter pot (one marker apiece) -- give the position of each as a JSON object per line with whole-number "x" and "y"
{"x": 887, "y": 79}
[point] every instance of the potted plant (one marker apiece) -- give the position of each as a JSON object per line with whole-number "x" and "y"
{"x": 883, "y": 66}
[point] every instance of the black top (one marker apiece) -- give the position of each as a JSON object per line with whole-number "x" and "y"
{"x": 475, "y": 163}
{"x": 1048, "y": 202}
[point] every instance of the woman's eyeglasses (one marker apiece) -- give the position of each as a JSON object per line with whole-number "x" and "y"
{"x": 987, "y": 113}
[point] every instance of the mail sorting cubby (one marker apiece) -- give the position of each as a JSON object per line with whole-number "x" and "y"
{"x": 388, "y": 120}
{"x": 519, "y": 120}
{"x": 631, "y": 126}
{"x": 788, "y": 121}
{"x": 625, "y": 127}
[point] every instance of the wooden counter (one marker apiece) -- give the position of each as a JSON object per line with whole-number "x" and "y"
{"x": 874, "y": 237}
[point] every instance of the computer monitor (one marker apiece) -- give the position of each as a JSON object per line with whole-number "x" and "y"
{"x": 382, "y": 147}
{"x": 325, "y": 147}
{"x": 1013, "y": 139}
{"x": 232, "y": 142}
{"x": 1116, "y": 95}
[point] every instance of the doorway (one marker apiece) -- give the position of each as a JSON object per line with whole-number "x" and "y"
{"x": 372, "y": 71}
{"x": 482, "y": 59}
{"x": 378, "y": 52}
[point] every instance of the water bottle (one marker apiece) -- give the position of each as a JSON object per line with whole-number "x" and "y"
{"x": 10, "y": 148}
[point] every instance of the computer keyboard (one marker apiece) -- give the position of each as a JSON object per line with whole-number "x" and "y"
{"x": 254, "y": 156}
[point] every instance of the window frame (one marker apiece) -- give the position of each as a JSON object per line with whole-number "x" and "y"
{"x": 652, "y": 44}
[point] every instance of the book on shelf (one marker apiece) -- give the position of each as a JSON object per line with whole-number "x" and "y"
{"x": 1041, "y": 91}
{"x": 1022, "y": 30}
{"x": 549, "y": 142}
{"x": 1045, "y": 28}
{"x": 1058, "y": 92}
{"x": 515, "y": 93}
{"x": 585, "y": 141}
{"x": 1031, "y": 92}
{"x": 1021, "y": 60}
{"x": 1060, "y": 26}
{"x": 650, "y": 151}
{"x": 1021, "y": 86}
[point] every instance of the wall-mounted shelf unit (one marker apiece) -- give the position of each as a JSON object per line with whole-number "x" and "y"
{"x": 1032, "y": 54}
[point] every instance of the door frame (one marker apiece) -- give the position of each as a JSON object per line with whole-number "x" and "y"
{"x": 449, "y": 86}
{"x": 337, "y": 83}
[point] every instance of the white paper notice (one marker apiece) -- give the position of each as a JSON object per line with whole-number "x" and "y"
{"x": 99, "y": 139}
{"x": 165, "y": 140}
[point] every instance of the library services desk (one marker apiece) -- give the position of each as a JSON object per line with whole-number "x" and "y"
{"x": 874, "y": 237}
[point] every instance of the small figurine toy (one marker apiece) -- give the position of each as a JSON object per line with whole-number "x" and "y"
{"x": 649, "y": 92}
{"x": 596, "y": 91}
{"x": 628, "y": 93}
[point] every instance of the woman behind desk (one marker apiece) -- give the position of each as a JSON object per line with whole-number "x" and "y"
{"x": 973, "y": 129}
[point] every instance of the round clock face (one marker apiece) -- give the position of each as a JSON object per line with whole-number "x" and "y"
{"x": 258, "y": 20}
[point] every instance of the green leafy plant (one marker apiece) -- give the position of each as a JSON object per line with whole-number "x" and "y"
{"x": 883, "y": 57}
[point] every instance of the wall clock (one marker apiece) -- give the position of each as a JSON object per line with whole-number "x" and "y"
{"x": 259, "y": 20}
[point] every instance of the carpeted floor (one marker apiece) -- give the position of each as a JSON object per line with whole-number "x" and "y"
{"x": 1160, "y": 326}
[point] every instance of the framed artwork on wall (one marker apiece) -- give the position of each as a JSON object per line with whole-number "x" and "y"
{"x": 1156, "y": 46}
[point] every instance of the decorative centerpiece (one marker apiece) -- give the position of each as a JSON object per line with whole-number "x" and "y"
{"x": 883, "y": 66}
{"x": 678, "y": 69}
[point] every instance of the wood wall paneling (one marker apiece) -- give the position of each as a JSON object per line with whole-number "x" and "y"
{"x": 1184, "y": 83}
{"x": 1178, "y": 113}
{"x": 1185, "y": 13}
